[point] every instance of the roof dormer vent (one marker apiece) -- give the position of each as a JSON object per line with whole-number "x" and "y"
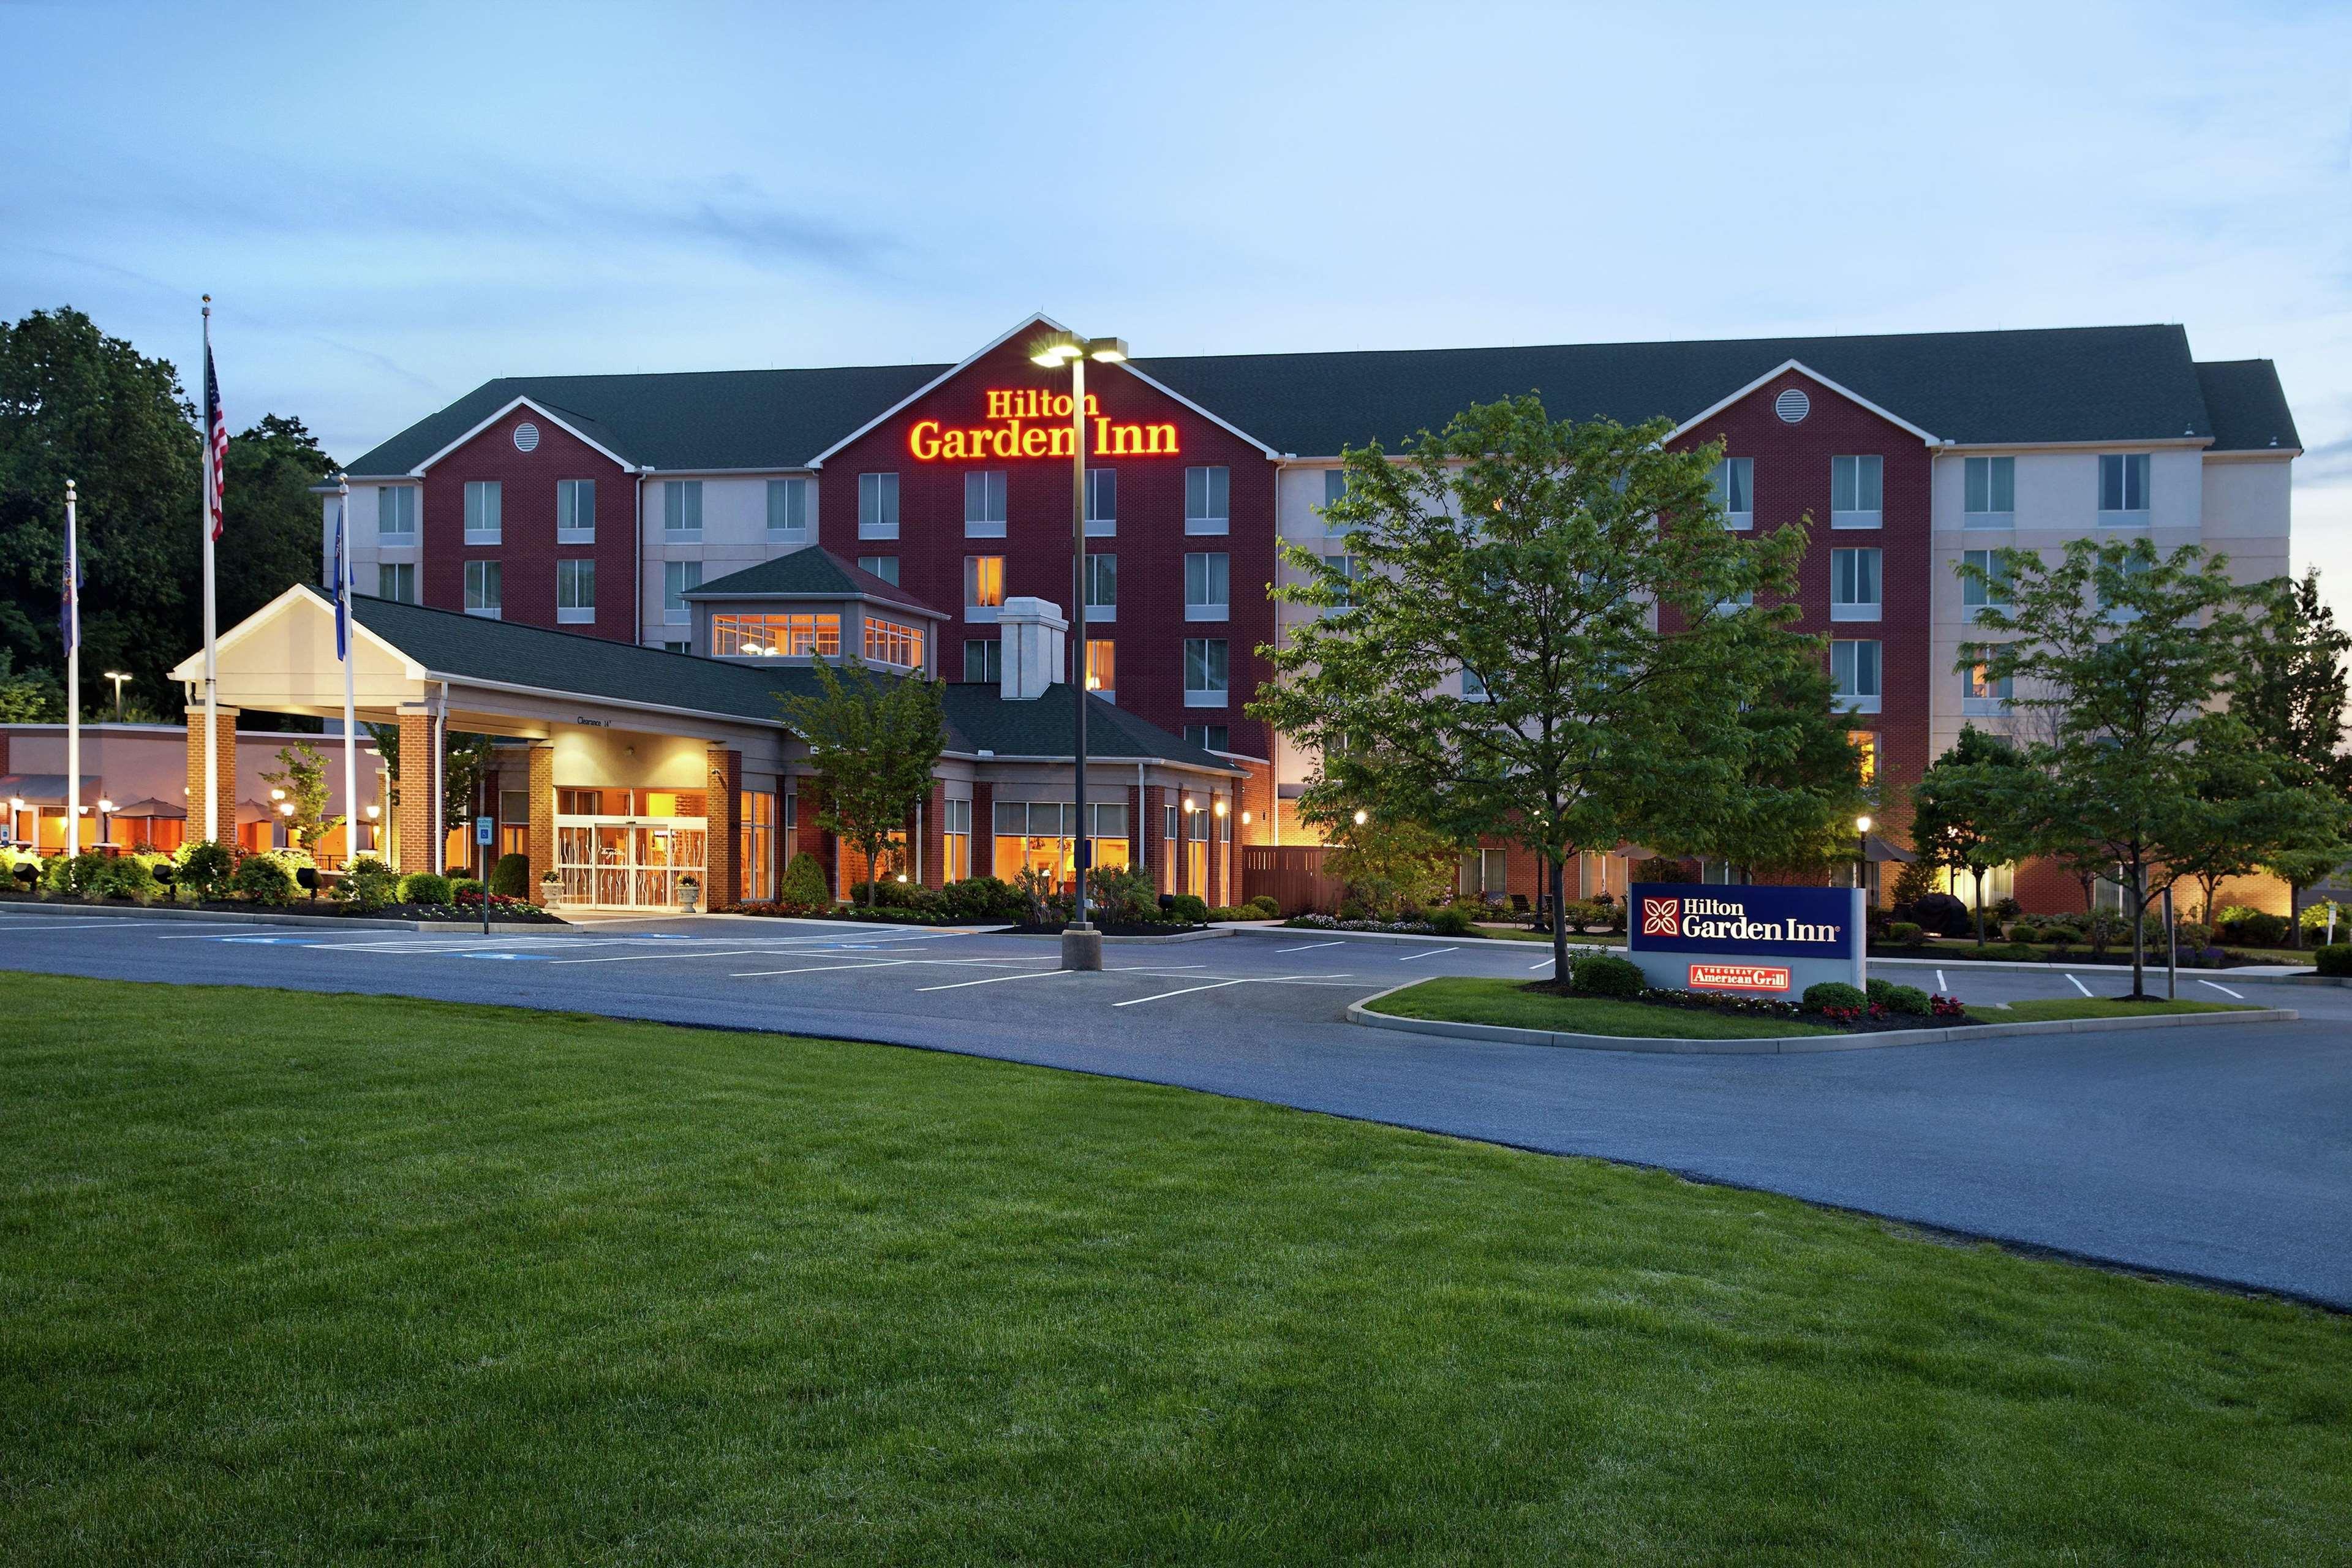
{"x": 526, "y": 436}
{"x": 1793, "y": 406}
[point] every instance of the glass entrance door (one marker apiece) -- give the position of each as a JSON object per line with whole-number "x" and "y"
{"x": 628, "y": 863}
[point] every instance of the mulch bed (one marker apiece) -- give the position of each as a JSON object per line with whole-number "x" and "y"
{"x": 321, "y": 909}
{"x": 2076, "y": 957}
{"x": 1765, "y": 1007}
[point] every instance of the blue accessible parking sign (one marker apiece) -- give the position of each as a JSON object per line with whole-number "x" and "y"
{"x": 1767, "y": 941}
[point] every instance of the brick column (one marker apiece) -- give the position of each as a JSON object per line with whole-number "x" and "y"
{"x": 808, "y": 839}
{"x": 1157, "y": 850}
{"x": 1134, "y": 828}
{"x": 539, "y": 791}
{"x": 224, "y": 732}
{"x": 983, "y": 828}
{"x": 1216, "y": 893}
{"x": 723, "y": 881}
{"x": 935, "y": 837}
{"x": 420, "y": 803}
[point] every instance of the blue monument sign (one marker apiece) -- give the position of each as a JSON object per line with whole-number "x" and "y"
{"x": 1762, "y": 942}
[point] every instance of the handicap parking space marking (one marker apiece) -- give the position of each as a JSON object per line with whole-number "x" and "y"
{"x": 639, "y": 957}
{"x": 268, "y": 940}
{"x": 509, "y": 957}
{"x": 2224, "y": 990}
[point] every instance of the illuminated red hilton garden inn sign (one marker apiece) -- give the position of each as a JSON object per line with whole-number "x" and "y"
{"x": 1024, "y": 422}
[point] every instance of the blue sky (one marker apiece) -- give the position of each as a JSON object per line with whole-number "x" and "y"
{"x": 393, "y": 205}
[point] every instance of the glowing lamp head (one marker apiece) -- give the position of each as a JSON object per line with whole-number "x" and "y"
{"x": 286, "y": 809}
{"x": 1246, "y": 820}
{"x": 278, "y": 795}
{"x": 373, "y": 812}
{"x": 1107, "y": 351}
{"x": 1862, "y": 825}
{"x": 1221, "y": 808}
{"x": 902, "y": 875}
{"x": 1362, "y": 817}
{"x": 1056, "y": 350}
{"x": 1188, "y": 803}
{"x": 104, "y": 805}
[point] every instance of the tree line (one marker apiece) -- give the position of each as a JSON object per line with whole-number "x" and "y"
{"x": 77, "y": 404}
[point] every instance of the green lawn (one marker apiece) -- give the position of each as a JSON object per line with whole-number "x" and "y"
{"x": 1466, "y": 1001}
{"x": 294, "y": 1279}
{"x": 2096, "y": 1007}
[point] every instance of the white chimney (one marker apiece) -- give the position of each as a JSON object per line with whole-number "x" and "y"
{"x": 1035, "y": 651}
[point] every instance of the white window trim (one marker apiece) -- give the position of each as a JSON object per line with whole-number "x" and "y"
{"x": 786, "y": 532}
{"x": 1207, "y": 527}
{"x": 572, "y": 534}
{"x": 1855, "y": 612}
{"x": 575, "y": 615}
{"x": 396, "y": 538}
{"x": 486, "y": 535}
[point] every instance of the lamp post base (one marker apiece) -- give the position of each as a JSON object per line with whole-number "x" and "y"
{"x": 1081, "y": 948}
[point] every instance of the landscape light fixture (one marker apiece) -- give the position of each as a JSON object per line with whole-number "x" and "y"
{"x": 105, "y": 806}
{"x": 1362, "y": 817}
{"x": 1081, "y": 947}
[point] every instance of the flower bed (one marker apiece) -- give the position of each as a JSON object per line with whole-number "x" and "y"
{"x": 1872, "y": 1016}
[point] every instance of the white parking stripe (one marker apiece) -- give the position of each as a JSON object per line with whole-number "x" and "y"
{"x": 1187, "y": 991}
{"x": 996, "y": 979}
{"x": 2224, "y": 990}
{"x": 824, "y": 968}
{"x": 1544, "y": 964}
{"x": 1309, "y": 948}
{"x": 1939, "y": 981}
{"x": 1433, "y": 953}
{"x": 2080, "y": 986}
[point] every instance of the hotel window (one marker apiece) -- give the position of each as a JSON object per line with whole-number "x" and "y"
{"x": 1990, "y": 492}
{"x": 1209, "y": 737}
{"x": 1204, "y": 672}
{"x": 983, "y": 586}
{"x": 1989, "y": 591}
{"x": 2123, "y": 489}
{"x": 680, "y": 578}
{"x": 1034, "y": 834}
{"x": 482, "y": 589}
{"x": 984, "y": 661}
{"x": 1854, "y": 585}
{"x": 1207, "y": 595}
{"x": 1345, "y": 566}
{"x": 1207, "y": 493}
{"x": 1102, "y": 502}
{"x": 514, "y": 822}
{"x": 396, "y": 580}
{"x": 878, "y": 506}
{"x": 1984, "y": 695}
{"x": 1102, "y": 587}
{"x": 1866, "y": 751}
{"x": 758, "y": 845}
{"x": 575, "y": 593}
{"x": 676, "y": 646}
{"x": 1108, "y": 828}
{"x": 1473, "y": 690}
{"x": 955, "y": 840}
{"x": 1735, "y": 491}
{"x": 984, "y": 504}
{"x": 1102, "y": 668}
{"x": 788, "y": 510}
{"x": 575, "y": 512}
{"x": 774, "y": 637}
{"x": 396, "y": 515}
{"x": 888, "y": 642}
{"x": 1743, "y": 600}
{"x": 484, "y": 506}
{"x": 883, "y": 566}
{"x": 1335, "y": 489}
{"x": 682, "y": 511}
{"x": 1856, "y": 487}
{"x": 2133, "y": 566}
{"x": 1854, "y": 669}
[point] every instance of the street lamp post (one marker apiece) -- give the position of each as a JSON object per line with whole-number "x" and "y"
{"x": 118, "y": 677}
{"x": 1861, "y": 847}
{"x": 1081, "y": 944}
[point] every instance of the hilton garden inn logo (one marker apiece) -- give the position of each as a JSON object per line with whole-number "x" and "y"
{"x": 1724, "y": 920}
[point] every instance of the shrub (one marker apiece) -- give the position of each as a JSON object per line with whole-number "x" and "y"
{"x": 126, "y": 877}
{"x": 907, "y": 898}
{"x": 205, "y": 868}
{"x": 2335, "y": 958}
{"x": 1123, "y": 893}
{"x": 1190, "y": 909}
{"x": 1267, "y": 910}
{"x": 1827, "y": 993}
{"x": 2060, "y": 935}
{"x": 1451, "y": 920}
{"x": 75, "y": 873}
{"x": 1350, "y": 910}
{"x": 511, "y": 878}
{"x": 805, "y": 885}
{"x": 1907, "y": 932}
{"x": 1606, "y": 974}
{"x": 983, "y": 899}
{"x": 367, "y": 885}
{"x": 2186, "y": 934}
{"x": 263, "y": 878}
{"x": 426, "y": 887}
{"x": 1906, "y": 999}
{"x": 2252, "y": 928}
{"x": 2004, "y": 909}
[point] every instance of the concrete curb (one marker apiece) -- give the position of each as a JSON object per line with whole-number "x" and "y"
{"x": 1210, "y": 934}
{"x": 243, "y": 916}
{"x": 2253, "y": 974}
{"x": 1499, "y": 1033}
{"x": 1504, "y": 944}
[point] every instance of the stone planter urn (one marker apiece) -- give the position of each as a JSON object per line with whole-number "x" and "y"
{"x": 551, "y": 892}
{"x": 690, "y": 892}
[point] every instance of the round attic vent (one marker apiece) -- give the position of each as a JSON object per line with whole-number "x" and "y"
{"x": 527, "y": 436}
{"x": 1793, "y": 406}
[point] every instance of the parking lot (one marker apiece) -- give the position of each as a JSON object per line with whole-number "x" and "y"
{"x": 2223, "y": 1153}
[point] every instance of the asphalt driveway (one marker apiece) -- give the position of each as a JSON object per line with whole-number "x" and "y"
{"x": 2218, "y": 1153}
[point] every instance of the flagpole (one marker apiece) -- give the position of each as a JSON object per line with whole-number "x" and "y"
{"x": 212, "y": 654}
{"x": 350, "y": 719}
{"x": 73, "y": 680}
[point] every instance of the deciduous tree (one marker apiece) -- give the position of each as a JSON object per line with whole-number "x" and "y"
{"x": 1965, "y": 810}
{"x": 1543, "y": 640}
{"x": 872, "y": 741}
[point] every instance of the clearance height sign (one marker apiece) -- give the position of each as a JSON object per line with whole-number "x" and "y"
{"x": 1768, "y": 941}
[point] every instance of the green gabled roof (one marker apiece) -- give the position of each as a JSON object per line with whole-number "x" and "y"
{"x": 810, "y": 571}
{"x": 470, "y": 647}
{"x": 2248, "y": 406}
{"x": 1046, "y": 726}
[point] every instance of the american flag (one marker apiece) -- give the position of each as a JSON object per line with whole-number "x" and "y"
{"x": 342, "y": 586}
{"x": 215, "y": 438}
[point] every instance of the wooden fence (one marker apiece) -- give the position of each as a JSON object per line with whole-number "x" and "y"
{"x": 1293, "y": 876}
